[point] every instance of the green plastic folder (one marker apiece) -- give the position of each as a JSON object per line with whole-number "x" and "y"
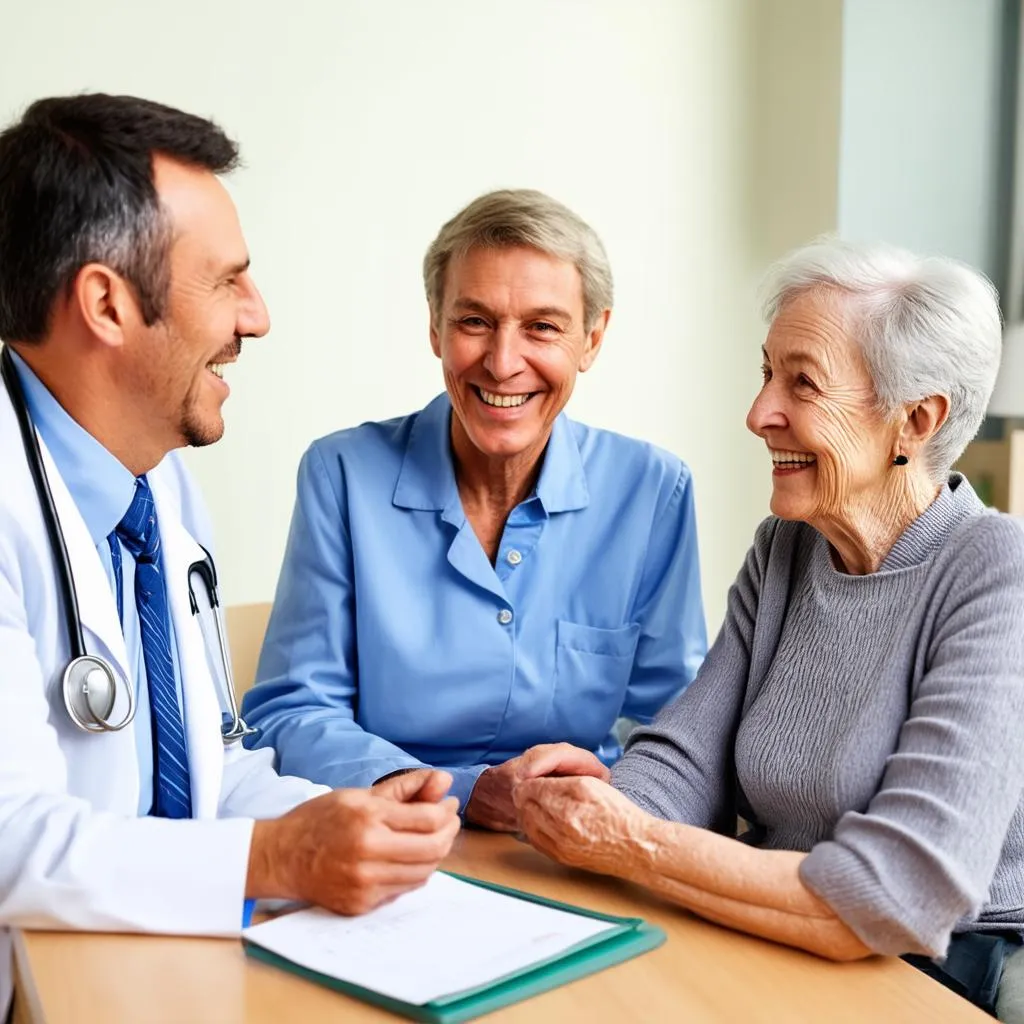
{"x": 630, "y": 937}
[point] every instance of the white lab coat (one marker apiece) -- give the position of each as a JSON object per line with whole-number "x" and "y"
{"x": 73, "y": 852}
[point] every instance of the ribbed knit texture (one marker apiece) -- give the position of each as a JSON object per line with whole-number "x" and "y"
{"x": 876, "y": 722}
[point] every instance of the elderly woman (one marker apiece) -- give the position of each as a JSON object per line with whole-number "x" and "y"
{"x": 863, "y": 706}
{"x": 484, "y": 575}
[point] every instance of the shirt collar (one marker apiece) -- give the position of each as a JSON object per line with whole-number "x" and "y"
{"x": 101, "y": 486}
{"x": 427, "y": 478}
{"x": 562, "y": 484}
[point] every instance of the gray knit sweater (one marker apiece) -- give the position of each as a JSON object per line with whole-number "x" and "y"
{"x": 876, "y": 722}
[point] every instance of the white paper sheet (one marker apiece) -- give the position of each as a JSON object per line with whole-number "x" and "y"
{"x": 447, "y": 937}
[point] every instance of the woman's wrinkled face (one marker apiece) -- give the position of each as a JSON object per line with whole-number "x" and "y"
{"x": 831, "y": 450}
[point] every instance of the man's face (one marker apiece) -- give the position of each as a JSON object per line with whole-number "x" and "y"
{"x": 212, "y": 304}
{"x": 511, "y": 338}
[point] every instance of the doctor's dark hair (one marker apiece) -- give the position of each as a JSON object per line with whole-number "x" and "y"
{"x": 76, "y": 187}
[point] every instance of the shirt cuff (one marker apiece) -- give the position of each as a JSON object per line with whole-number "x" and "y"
{"x": 397, "y": 772}
{"x": 463, "y": 781}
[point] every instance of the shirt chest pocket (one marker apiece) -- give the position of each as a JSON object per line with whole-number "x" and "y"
{"x": 592, "y": 671}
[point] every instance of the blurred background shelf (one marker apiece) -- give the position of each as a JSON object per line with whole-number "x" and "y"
{"x": 995, "y": 469}
{"x": 994, "y": 463}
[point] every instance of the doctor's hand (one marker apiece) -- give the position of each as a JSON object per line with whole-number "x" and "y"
{"x": 353, "y": 849}
{"x": 418, "y": 784}
{"x": 491, "y": 802}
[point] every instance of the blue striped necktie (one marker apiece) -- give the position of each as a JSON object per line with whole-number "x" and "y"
{"x": 172, "y": 797}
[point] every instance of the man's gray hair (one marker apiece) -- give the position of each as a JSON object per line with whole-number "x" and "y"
{"x": 926, "y": 326}
{"x": 522, "y": 217}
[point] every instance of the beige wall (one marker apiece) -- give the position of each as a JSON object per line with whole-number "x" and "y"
{"x": 698, "y": 136}
{"x": 794, "y": 184}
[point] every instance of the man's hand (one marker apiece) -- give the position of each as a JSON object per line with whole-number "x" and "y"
{"x": 353, "y": 849}
{"x": 491, "y": 805}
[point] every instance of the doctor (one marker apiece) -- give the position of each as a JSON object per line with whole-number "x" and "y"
{"x": 124, "y": 291}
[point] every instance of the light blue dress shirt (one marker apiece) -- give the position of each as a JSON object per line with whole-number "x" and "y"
{"x": 394, "y": 642}
{"x": 102, "y": 488}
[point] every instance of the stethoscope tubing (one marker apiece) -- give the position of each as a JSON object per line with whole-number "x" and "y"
{"x": 72, "y": 616}
{"x": 206, "y": 570}
{"x": 65, "y": 582}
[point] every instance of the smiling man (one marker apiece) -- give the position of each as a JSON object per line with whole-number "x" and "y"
{"x": 485, "y": 575}
{"x": 124, "y": 289}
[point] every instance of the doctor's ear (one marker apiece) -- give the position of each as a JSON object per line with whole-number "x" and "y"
{"x": 105, "y": 302}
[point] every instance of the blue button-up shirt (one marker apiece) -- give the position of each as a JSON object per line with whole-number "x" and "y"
{"x": 394, "y": 642}
{"x": 102, "y": 488}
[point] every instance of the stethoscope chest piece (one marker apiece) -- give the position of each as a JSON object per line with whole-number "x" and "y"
{"x": 90, "y": 685}
{"x": 90, "y": 693}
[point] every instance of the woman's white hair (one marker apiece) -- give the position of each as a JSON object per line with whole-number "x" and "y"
{"x": 926, "y": 325}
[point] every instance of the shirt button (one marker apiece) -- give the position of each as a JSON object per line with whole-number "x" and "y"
{"x": 514, "y": 557}
{"x": 504, "y": 616}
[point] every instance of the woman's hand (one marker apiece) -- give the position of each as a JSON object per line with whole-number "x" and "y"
{"x": 584, "y": 823}
{"x": 490, "y": 804}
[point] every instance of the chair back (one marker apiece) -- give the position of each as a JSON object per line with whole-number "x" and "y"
{"x": 246, "y": 625}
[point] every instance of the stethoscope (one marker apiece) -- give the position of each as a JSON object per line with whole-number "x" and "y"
{"x": 90, "y": 685}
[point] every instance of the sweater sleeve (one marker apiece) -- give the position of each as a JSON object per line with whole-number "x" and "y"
{"x": 925, "y": 851}
{"x": 680, "y": 767}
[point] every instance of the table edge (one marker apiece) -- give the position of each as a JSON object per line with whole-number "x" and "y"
{"x": 28, "y": 1005}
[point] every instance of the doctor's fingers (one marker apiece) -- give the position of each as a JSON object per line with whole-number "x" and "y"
{"x": 419, "y": 817}
{"x": 390, "y": 893}
{"x": 384, "y": 894}
{"x": 352, "y": 898}
{"x": 413, "y": 847}
{"x": 424, "y": 784}
{"x": 378, "y": 875}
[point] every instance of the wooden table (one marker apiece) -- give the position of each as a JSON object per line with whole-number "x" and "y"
{"x": 702, "y": 974}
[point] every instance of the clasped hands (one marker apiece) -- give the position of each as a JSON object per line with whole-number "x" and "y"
{"x": 352, "y": 850}
{"x": 558, "y": 797}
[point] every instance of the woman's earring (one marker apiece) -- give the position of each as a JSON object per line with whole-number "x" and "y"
{"x": 900, "y": 460}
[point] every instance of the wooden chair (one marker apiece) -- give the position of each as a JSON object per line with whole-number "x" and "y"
{"x": 246, "y": 625}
